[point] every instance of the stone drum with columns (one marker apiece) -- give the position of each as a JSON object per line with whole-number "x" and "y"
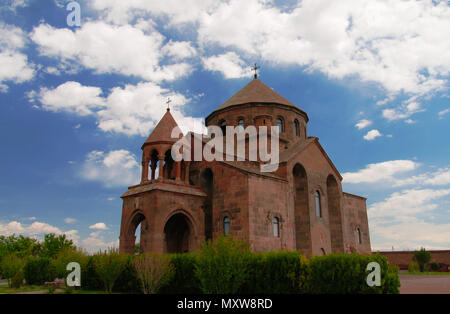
{"x": 300, "y": 206}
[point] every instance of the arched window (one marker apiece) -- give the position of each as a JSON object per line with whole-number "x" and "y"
{"x": 296, "y": 128}
{"x": 276, "y": 227}
{"x": 280, "y": 125}
{"x": 226, "y": 225}
{"x": 358, "y": 234}
{"x": 223, "y": 127}
{"x": 318, "y": 208}
{"x": 241, "y": 125}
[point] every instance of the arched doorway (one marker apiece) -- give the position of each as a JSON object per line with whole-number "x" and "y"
{"x": 207, "y": 185}
{"x": 177, "y": 234}
{"x": 137, "y": 231}
{"x": 301, "y": 210}
{"x": 334, "y": 213}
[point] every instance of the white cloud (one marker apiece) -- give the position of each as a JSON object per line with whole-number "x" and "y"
{"x": 442, "y": 113}
{"x": 402, "y": 112}
{"x": 179, "y": 50}
{"x": 131, "y": 110}
{"x": 106, "y": 48}
{"x": 179, "y": 12}
{"x": 14, "y": 65}
{"x": 69, "y": 220}
{"x": 93, "y": 244}
{"x": 99, "y": 226}
{"x": 371, "y": 135}
{"x": 383, "y": 171}
{"x": 229, "y": 64}
{"x": 410, "y": 234}
{"x": 439, "y": 177}
{"x": 71, "y": 97}
{"x": 407, "y": 203}
{"x": 389, "y": 42}
{"x": 115, "y": 168}
{"x": 35, "y": 229}
{"x": 397, "y": 220}
{"x": 363, "y": 124}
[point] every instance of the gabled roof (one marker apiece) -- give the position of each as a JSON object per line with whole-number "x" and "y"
{"x": 163, "y": 130}
{"x": 296, "y": 149}
{"x": 256, "y": 92}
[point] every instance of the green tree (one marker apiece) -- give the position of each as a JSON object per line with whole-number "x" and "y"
{"x": 20, "y": 245}
{"x": 53, "y": 244}
{"x": 109, "y": 265}
{"x": 422, "y": 257}
{"x": 10, "y": 265}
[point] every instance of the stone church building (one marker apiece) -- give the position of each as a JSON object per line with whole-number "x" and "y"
{"x": 300, "y": 206}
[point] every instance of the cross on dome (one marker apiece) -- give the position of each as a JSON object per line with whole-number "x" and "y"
{"x": 256, "y": 68}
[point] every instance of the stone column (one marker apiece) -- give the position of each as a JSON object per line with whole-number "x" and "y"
{"x": 161, "y": 169}
{"x": 186, "y": 172}
{"x": 144, "y": 171}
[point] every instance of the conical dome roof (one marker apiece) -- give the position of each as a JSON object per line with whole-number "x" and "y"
{"x": 256, "y": 92}
{"x": 163, "y": 130}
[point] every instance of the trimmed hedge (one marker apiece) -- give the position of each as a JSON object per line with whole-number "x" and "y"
{"x": 346, "y": 273}
{"x": 228, "y": 266}
{"x": 277, "y": 272}
{"x": 184, "y": 280}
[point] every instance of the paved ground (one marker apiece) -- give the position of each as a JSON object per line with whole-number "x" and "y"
{"x": 423, "y": 284}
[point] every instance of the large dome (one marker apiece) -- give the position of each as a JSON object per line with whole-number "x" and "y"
{"x": 256, "y": 92}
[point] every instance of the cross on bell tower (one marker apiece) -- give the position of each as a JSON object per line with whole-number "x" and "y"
{"x": 168, "y": 103}
{"x": 256, "y": 68}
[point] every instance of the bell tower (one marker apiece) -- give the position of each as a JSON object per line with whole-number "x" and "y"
{"x": 166, "y": 206}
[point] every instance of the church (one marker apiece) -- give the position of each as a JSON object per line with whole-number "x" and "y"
{"x": 299, "y": 206}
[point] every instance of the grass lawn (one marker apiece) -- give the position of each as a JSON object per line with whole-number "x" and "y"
{"x": 4, "y": 289}
{"x": 26, "y": 288}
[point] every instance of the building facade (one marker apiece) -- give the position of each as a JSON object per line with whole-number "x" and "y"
{"x": 300, "y": 206}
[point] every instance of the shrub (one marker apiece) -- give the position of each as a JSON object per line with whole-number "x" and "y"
{"x": 222, "y": 266}
{"x": 277, "y": 272}
{"x": 109, "y": 265}
{"x": 17, "y": 280}
{"x": 346, "y": 273}
{"x": 10, "y": 265}
{"x": 66, "y": 256}
{"x": 90, "y": 279}
{"x": 184, "y": 280}
{"x": 413, "y": 268}
{"x": 434, "y": 266}
{"x": 422, "y": 257}
{"x": 128, "y": 280}
{"x": 38, "y": 270}
{"x": 153, "y": 271}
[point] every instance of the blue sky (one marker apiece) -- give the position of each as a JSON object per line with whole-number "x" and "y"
{"x": 76, "y": 103}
